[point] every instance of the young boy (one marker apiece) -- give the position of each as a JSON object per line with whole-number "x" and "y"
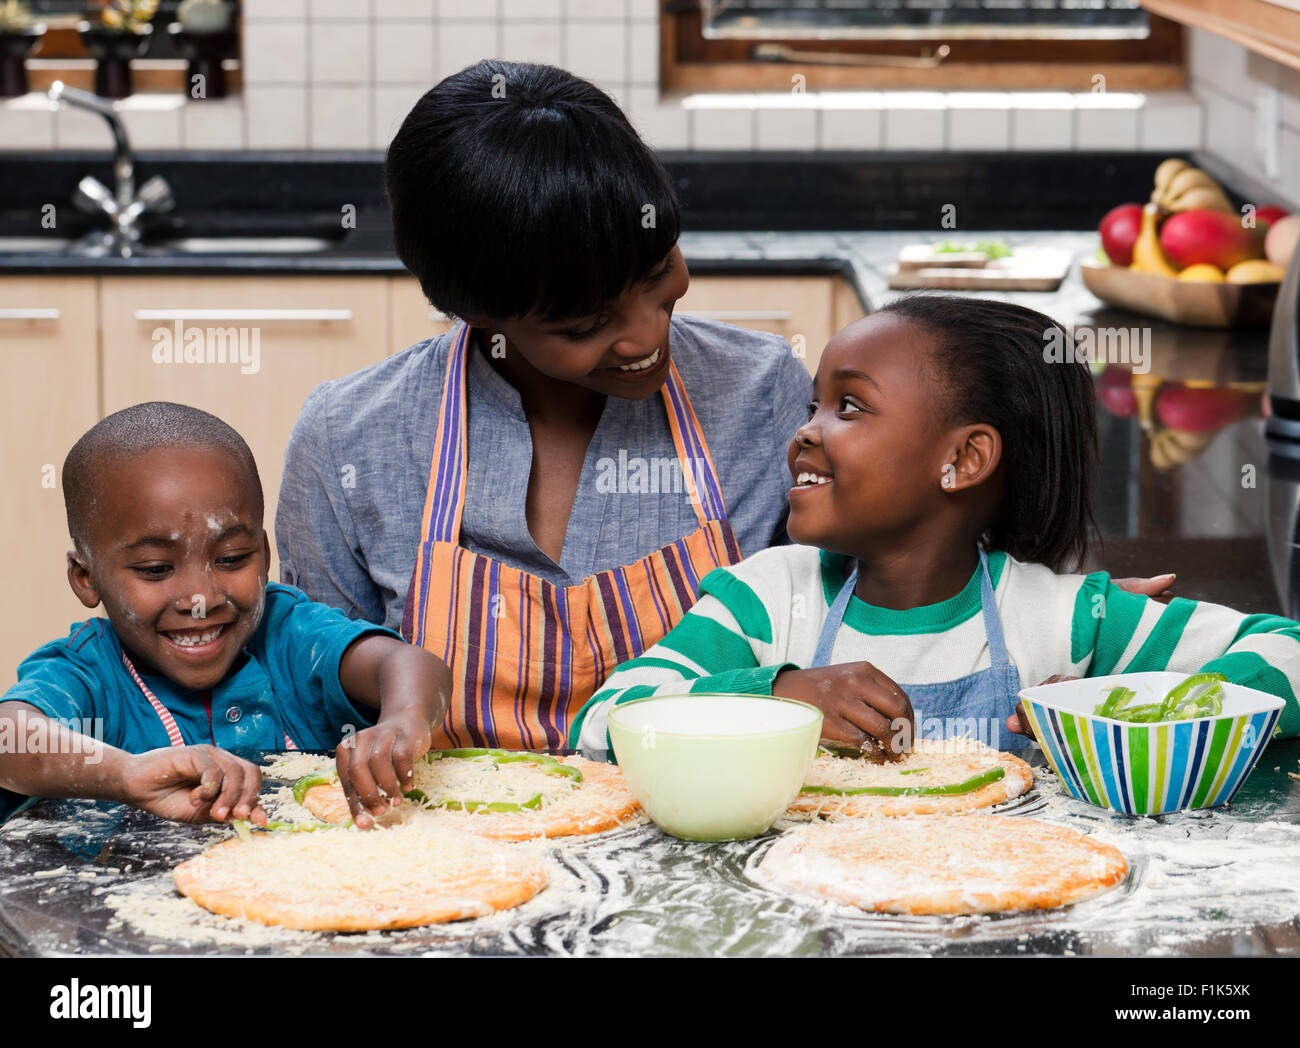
{"x": 199, "y": 655}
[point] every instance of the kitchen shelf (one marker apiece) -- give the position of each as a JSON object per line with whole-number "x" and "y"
{"x": 1268, "y": 27}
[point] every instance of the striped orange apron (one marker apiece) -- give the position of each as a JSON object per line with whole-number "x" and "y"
{"x": 525, "y": 654}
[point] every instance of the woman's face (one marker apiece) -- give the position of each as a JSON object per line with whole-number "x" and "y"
{"x": 620, "y": 352}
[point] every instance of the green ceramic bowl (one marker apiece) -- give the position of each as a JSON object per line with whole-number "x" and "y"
{"x": 714, "y": 767}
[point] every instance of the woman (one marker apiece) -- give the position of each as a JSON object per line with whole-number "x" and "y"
{"x": 535, "y": 495}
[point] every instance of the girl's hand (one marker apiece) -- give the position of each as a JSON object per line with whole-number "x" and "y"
{"x": 1018, "y": 722}
{"x": 861, "y": 706}
{"x": 377, "y": 765}
{"x": 194, "y": 784}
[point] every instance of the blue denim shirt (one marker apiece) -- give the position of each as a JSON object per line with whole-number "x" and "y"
{"x": 357, "y": 468}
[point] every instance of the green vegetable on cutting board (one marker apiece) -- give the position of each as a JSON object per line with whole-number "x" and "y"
{"x": 1200, "y": 695}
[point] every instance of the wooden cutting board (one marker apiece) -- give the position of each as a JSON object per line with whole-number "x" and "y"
{"x": 1025, "y": 269}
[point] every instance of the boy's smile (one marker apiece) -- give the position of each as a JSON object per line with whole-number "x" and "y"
{"x": 179, "y": 559}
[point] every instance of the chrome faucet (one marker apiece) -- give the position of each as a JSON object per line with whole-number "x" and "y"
{"x": 123, "y": 205}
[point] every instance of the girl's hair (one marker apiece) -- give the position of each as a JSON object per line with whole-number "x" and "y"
{"x": 993, "y": 365}
{"x": 519, "y": 188}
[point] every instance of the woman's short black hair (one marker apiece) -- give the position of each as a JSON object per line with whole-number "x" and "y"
{"x": 519, "y": 188}
{"x": 993, "y": 366}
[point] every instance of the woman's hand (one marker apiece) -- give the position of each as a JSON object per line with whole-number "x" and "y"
{"x": 861, "y": 706}
{"x": 194, "y": 784}
{"x": 377, "y": 766}
{"x": 1158, "y": 587}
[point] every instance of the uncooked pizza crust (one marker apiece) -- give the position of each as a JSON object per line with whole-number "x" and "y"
{"x": 942, "y": 864}
{"x": 348, "y": 880}
{"x": 600, "y": 802}
{"x": 932, "y": 762}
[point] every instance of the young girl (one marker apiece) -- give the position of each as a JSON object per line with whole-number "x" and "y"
{"x": 941, "y": 488}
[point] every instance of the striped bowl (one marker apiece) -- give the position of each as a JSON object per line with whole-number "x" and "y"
{"x": 1149, "y": 769}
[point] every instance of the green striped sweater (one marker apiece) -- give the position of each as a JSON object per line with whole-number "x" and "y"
{"x": 760, "y": 616}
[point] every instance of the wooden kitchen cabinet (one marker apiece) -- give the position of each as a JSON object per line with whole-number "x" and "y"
{"x": 805, "y": 311}
{"x": 411, "y": 318}
{"x": 305, "y": 329}
{"x": 49, "y": 370}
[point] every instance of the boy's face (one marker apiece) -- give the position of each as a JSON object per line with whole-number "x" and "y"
{"x": 873, "y": 441}
{"x": 178, "y": 556}
{"x": 593, "y": 351}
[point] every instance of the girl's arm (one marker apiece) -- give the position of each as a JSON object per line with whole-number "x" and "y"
{"x": 39, "y": 757}
{"x": 707, "y": 651}
{"x": 1118, "y": 632}
{"x": 411, "y": 688}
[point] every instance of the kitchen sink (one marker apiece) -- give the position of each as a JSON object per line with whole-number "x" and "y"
{"x": 189, "y": 245}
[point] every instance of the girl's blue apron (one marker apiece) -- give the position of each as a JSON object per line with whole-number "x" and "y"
{"x": 987, "y": 697}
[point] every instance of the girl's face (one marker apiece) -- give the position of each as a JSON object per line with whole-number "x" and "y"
{"x": 621, "y": 352}
{"x": 179, "y": 559}
{"x": 868, "y": 465}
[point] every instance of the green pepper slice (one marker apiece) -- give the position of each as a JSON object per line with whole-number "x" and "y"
{"x": 244, "y": 828}
{"x": 968, "y": 786}
{"x": 308, "y": 782}
{"x": 533, "y": 802}
{"x": 544, "y": 761}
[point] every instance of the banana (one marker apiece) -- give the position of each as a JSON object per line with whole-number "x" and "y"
{"x": 1181, "y": 187}
{"x": 1147, "y": 255}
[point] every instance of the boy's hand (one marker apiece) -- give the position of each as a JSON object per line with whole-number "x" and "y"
{"x": 1157, "y": 588}
{"x": 861, "y": 706}
{"x": 376, "y": 765}
{"x": 1018, "y": 722}
{"x": 194, "y": 784}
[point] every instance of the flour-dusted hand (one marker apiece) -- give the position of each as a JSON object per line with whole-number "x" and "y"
{"x": 377, "y": 766}
{"x": 860, "y": 705}
{"x": 194, "y": 784}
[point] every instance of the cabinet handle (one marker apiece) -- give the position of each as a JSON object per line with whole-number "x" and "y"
{"x": 740, "y": 314}
{"x": 29, "y": 314}
{"x": 243, "y": 314}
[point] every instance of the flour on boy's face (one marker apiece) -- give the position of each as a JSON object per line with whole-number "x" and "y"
{"x": 866, "y": 465}
{"x": 179, "y": 559}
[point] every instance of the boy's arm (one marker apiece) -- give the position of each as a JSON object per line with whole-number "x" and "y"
{"x": 40, "y": 757}
{"x": 411, "y": 688}
{"x": 712, "y": 649}
{"x": 1118, "y": 632}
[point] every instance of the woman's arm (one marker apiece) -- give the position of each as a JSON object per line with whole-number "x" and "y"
{"x": 313, "y": 521}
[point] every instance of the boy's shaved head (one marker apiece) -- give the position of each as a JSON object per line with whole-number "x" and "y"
{"x": 134, "y": 431}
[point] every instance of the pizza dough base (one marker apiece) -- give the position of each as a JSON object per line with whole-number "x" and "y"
{"x": 949, "y": 761}
{"x": 601, "y": 802}
{"x": 350, "y": 880}
{"x": 942, "y": 864}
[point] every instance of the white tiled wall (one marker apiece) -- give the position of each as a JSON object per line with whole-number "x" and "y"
{"x": 341, "y": 74}
{"x": 1231, "y": 83}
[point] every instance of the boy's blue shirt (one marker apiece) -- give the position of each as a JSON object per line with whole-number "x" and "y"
{"x": 288, "y": 685}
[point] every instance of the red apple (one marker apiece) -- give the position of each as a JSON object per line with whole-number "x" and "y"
{"x": 1203, "y": 410}
{"x": 1115, "y": 391}
{"x": 1119, "y": 232}
{"x": 1201, "y": 235}
{"x": 1269, "y": 213}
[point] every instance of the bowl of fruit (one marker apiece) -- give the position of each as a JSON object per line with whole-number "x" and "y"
{"x": 1188, "y": 256}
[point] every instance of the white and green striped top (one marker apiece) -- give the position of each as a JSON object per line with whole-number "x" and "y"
{"x": 760, "y": 616}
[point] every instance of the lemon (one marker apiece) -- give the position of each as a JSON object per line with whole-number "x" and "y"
{"x": 1203, "y": 272}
